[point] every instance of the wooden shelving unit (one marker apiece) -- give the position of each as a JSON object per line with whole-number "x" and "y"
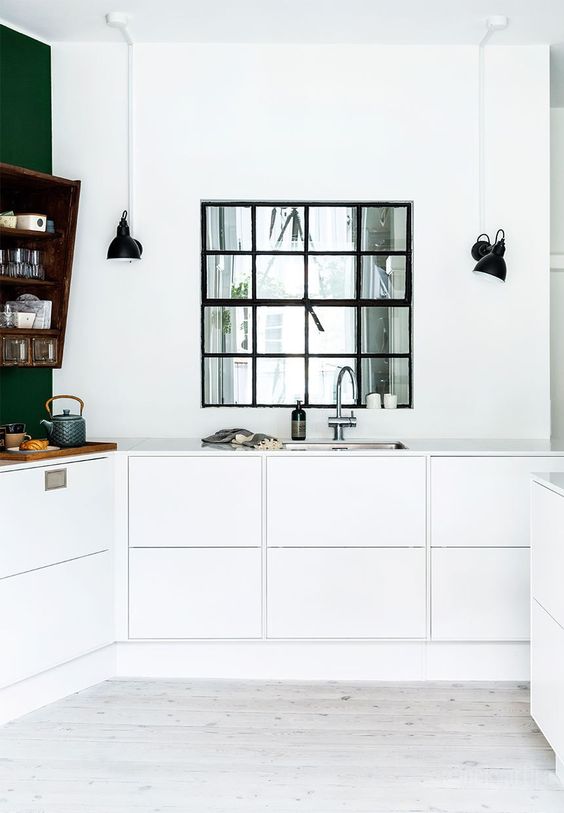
{"x": 24, "y": 190}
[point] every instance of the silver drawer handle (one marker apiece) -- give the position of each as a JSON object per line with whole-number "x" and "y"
{"x": 56, "y": 478}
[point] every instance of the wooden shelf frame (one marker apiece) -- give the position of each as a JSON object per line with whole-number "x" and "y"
{"x": 24, "y": 331}
{"x": 24, "y": 190}
{"x": 30, "y": 234}
{"x": 25, "y": 281}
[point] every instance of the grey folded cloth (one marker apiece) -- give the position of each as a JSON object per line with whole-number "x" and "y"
{"x": 244, "y": 437}
{"x": 225, "y": 435}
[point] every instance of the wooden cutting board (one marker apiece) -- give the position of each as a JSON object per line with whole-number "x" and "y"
{"x": 88, "y": 448}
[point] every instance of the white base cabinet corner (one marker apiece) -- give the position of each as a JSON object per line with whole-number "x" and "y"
{"x": 195, "y": 593}
{"x": 547, "y": 550}
{"x": 547, "y": 615}
{"x": 346, "y": 593}
{"x": 480, "y": 594}
{"x": 547, "y": 677}
{"x": 54, "y": 614}
{"x": 56, "y": 566}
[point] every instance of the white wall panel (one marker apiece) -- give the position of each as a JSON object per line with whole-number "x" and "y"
{"x": 326, "y": 122}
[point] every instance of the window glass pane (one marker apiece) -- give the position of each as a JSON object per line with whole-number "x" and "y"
{"x": 332, "y": 228}
{"x": 384, "y": 227}
{"x": 386, "y": 375}
{"x": 228, "y": 380}
{"x": 257, "y": 252}
{"x": 280, "y": 381}
{"x": 331, "y": 277}
{"x": 227, "y": 330}
{"x": 339, "y": 335}
{"x": 280, "y": 277}
{"x": 228, "y": 228}
{"x": 323, "y": 378}
{"x": 229, "y": 276}
{"x": 385, "y": 330}
{"x": 280, "y": 329}
{"x": 383, "y": 277}
{"x": 280, "y": 228}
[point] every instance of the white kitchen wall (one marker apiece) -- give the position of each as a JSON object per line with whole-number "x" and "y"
{"x": 557, "y": 271}
{"x": 307, "y": 122}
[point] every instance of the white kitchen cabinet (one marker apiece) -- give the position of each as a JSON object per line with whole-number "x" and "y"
{"x": 483, "y": 501}
{"x": 54, "y": 614}
{"x": 547, "y": 676}
{"x": 194, "y": 593}
{"x": 547, "y": 613}
{"x": 200, "y": 501}
{"x": 346, "y": 501}
{"x": 480, "y": 594}
{"x": 547, "y": 551}
{"x": 41, "y": 527}
{"x": 346, "y": 593}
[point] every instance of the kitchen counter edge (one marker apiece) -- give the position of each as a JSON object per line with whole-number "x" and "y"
{"x": 433, "y": 447}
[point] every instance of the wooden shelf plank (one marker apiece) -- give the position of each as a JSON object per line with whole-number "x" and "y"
{"x": 29, "y": 234}
{"x": 24, "y": 331}
{"x": 25, "y": 281}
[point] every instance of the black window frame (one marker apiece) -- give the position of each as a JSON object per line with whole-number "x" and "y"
{"x": 357, "y": 302}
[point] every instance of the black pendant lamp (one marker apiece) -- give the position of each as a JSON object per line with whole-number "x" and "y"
{"x": 123, "y": 246}
{"x": 490, "y": 259}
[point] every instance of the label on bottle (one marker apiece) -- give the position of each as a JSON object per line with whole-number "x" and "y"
{"x": 298, "y": 430}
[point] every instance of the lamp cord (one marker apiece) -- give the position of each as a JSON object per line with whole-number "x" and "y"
{"x": 481, "y": 129}
{"x": 130, "y": 144}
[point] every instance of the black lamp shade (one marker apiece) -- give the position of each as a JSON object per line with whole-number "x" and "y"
{"x": 123, "y": 246}
{"x": 492, "y": 261}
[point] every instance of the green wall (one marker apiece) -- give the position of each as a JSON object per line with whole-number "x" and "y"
{"x": 25, "y": 140}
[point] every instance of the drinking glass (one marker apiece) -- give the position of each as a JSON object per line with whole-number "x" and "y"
{"x": 35, "y": 263}
{"x": 4, "y": 262}
{"x": 26, "y": 264}
{"x": 16, "y": 264}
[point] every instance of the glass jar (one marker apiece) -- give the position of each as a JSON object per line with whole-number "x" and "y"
{"x": 44, "y": 350}
{"x": 15, "y": 351}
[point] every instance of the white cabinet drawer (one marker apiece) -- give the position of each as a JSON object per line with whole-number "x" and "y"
{"x": 51, "y": 615}
{"x": 547, "y": 677}
{"x": 547, "y": 554}
{"x": 339, "y": 593}
{"x": 484, "y": 501}
{"x": 195, "y": 501}
{"x": 480, "y": 594}
{"x": 340, "y": 502}
{"x": 194, "y": 593}
{"x": 41, "y": 527}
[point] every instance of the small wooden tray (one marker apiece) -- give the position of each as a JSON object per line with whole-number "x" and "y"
{"x": 88, "y": 448}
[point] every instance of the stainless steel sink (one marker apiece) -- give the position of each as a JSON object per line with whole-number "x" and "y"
{"x": 342, "y": 446}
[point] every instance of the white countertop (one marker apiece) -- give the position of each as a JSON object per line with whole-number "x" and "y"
{"x": 552, "y": 480}
{"x": 415, "y": 446}
{"x": 433, "y": 446}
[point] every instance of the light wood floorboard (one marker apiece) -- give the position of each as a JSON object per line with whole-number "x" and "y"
{"x": 181, "y": 747}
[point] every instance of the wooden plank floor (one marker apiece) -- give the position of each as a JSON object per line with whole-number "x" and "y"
{"x": 171, "y": 746}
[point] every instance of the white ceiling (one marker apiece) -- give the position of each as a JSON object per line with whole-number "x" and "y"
{"x": 308, "y": 21}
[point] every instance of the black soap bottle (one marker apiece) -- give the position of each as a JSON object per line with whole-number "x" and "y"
{"x": 298, "y": 422}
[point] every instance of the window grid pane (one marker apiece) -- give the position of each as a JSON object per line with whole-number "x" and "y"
{"x": 380, "y": 325}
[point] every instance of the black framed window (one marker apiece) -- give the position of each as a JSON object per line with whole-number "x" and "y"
{"x": 293, "y": 291}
